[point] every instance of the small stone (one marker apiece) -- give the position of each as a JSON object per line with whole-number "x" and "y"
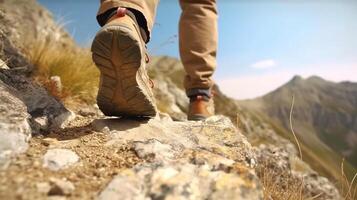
{"x": 49, "y": 141}
{"x": 154, "y": 149}
{"x": 123, "y": 187}
{"x": 57, "y": 159}
{"x": 88, "y": 111}
{"x": 56, "y": 198}
{"x": 19, "y": 180}
{"x": 63, "y": 120}
{"x": 3, "y": 65}
{"x": 43, "y": 187}
{"x": 164, "y": 117}
{"x": 60, "y": 187}
{"x": 181, "y": 181}
{"x": 41, "y": 123}
{"x": 15, "y": 130}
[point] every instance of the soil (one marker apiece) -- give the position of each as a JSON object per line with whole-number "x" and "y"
{"x": 98, "y": 165}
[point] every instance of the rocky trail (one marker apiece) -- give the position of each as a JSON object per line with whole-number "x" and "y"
{"x": 75, "y": 157}
{"x": 134, "y": 159}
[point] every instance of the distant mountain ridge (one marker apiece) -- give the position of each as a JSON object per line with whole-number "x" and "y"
{"x": 324, "y": 115}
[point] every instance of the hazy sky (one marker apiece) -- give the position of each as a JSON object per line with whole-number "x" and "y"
{"x": 263, "y": 43}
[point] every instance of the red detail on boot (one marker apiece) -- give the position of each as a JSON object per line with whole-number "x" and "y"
{"x": 199, "y": 98}
{"x": 121, "y": 12}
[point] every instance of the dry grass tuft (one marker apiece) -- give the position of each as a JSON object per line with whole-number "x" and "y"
{"x": 348, "y": 187}
{"x": 78, "y": 75}
{"x": 280, "y": 185}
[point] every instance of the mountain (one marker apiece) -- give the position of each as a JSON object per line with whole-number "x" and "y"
{"x": 324, "y": 117}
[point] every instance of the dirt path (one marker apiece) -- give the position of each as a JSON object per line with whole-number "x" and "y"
{"x": 98, "y": 164}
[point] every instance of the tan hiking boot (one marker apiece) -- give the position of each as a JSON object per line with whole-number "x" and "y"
{"x": 200, "y": 108}
{"x": 120, "y": 54}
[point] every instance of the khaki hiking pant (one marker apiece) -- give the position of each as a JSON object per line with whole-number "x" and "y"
{"x": 198, "y": 36}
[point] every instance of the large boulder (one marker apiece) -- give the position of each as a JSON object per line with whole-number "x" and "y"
{"x": 15, "y": 129}
{"x": 40, "y": 105}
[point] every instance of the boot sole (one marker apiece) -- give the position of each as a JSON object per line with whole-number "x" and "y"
{"x": 123, "y": 88}
{"x": 196, "y": 118}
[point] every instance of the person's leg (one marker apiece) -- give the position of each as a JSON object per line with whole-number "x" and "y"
{"x": 198, "y": 42}
{"x": 119, "y": 51}
{"x": 198, "y": 49}
{"x": 144, "y": 10}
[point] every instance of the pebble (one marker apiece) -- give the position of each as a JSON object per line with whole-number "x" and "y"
{"x": 60, "y": 187}
{"x": 57, "y": 159}
{"x": 43, "y": 187}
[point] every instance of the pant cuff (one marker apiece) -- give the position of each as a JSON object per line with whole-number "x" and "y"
{"x": 198, "y": 91}
{"x": 137, "y": 11}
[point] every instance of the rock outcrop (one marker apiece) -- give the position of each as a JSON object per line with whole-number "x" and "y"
{"x": 15, "y": 129}
{"x": 186, "y": 160}
{"x": 24, "y": 104}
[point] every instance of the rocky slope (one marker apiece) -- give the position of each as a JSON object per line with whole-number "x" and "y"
{"x": 324, "y": 116}
{"x": 24, "y": 104}
{"x": 48, "y": 152}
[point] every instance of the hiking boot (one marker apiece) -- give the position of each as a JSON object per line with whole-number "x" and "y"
{"x": 119, "y": 52}
{"x": 200, "y": 108}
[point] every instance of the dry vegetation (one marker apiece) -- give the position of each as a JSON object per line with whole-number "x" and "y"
{"x": 280, "y": 186}
{"x": 78, "y": 75}
{"x": 348, "y": 187}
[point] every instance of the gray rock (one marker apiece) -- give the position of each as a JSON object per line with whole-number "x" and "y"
{"x": 154, "y": 149}
{"x": 182, "y": 181}
{"x": 60, "y": 187}
{"x": 124, "y": 188}
{"x": 170, "y": 98}
{"x": 58, "y": 159}
{"x": 187, "y": 160}
{"x": 90, "y": 111}
{"x": 37, "y": 100}
{"x": 14, "y": 126}
{"x": 278, "y": 163}
{"x": 216, "y": 135}
{"x": 318, "y": 186}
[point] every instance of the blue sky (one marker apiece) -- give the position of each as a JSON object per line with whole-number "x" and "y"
{"x": 262, "y": 44}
